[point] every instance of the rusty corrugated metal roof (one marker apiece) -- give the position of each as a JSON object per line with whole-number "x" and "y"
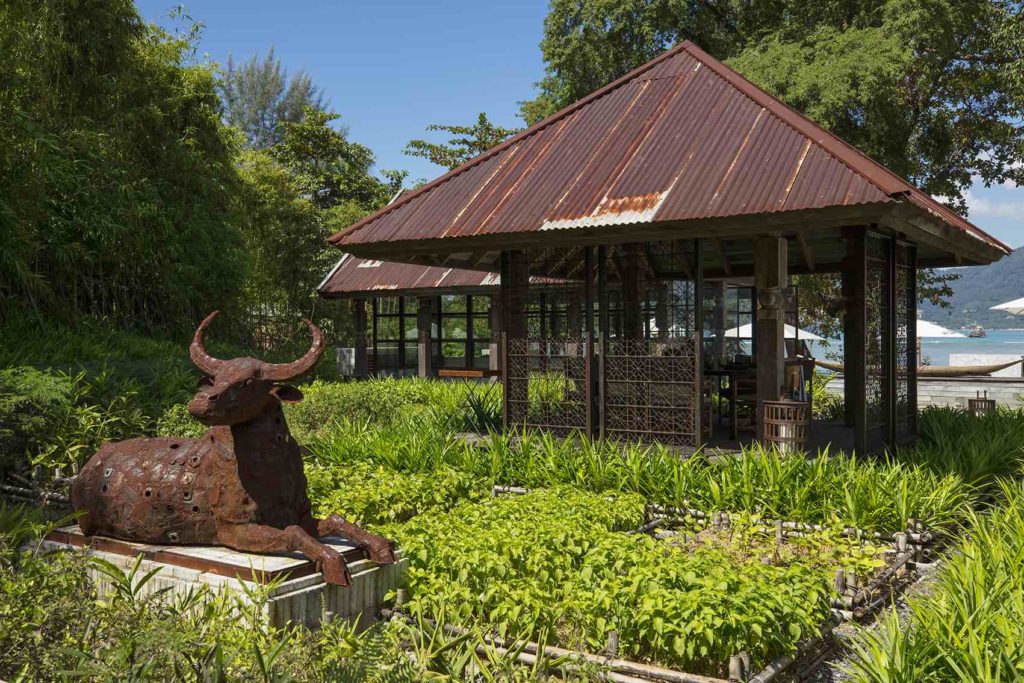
{"x": 681, "y": 137}
{"x": 353, "y": 277}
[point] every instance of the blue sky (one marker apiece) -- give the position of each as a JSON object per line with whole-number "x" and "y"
{"x": 391, "y": 67}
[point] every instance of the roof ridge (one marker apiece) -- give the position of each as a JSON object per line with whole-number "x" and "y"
{"x": 835, "y": 146}
{"x": 403, "y": 198}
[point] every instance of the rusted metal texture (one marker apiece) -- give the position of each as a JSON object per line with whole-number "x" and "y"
{"x": 681, "y": 137}
{"x": 353, "y": 276}
{"x": 240, "y": 485}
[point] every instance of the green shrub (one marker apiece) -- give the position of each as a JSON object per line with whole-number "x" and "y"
{"x": 978, "y": 448}
{"x": 177, "y": 421}
{"x": 380, "y": 402}
{"x": 374, "y": 495}
{"x": 58, "y": 420}
{"x": 554, "y": 564}
{"x": 878, "y": 494}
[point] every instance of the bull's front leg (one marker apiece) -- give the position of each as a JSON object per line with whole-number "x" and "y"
{"x": 259, "y": 538}
{"x": 381, "y": 550}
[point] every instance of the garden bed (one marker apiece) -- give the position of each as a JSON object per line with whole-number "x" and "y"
{"x": 560, "y": 567}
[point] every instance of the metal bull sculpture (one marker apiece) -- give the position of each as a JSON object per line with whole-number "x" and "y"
{"x": 240, "y": 485}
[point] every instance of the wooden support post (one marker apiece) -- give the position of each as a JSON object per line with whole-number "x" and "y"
{"x": 496, "y": 329}
{"x": 515, "y": 278}
{"x": 771, "y": 274}
{"x": 361, "y": 370}
{"x": 912, "y": 348}
{"x": 602, "y": 335}
{"x": 515, "y": 287}
{"x": 846, "y": 290}
{"x": 889, "y": 342}
{"x": 632, "y": 312}
{"x": 424, "y": 316}
{"x": 855, "y": 337}
{"x": 718, "y": 320}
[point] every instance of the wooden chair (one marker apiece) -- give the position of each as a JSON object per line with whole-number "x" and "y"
{"x": 742, "y": 391}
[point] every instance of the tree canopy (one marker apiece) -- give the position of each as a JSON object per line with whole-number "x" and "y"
{"x": 467, "y": 142}
{"x": 259, "y": 97}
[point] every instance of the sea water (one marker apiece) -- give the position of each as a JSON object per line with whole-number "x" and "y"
{"x": 937, "y": 351}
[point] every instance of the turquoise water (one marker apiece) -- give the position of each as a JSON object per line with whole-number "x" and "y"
{"x": 997, "y": 342}
{"x": 936, "y": 351}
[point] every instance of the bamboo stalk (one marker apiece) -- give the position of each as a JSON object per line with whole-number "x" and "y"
{"x": 620, "y": 670}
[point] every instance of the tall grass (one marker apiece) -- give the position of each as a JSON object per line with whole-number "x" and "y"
{"x": 970, "y": 626}
{"x": 870, "y": 493}
{"x": 978, "y": 448}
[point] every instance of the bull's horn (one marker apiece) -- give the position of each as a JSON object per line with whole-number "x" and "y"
{"x": 283, "y": 372}
{"x": 197, "y": 352}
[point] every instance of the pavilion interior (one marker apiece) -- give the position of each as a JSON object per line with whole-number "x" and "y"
{"x": 676, "y": 351}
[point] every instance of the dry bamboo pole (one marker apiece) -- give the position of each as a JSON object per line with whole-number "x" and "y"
{"x": 31, "y": 495}
{"x": 916, "y": 531}
{"x": 517, "y": 490}
{"x": 780, "y": 664}
{"x": 620, "y": 670}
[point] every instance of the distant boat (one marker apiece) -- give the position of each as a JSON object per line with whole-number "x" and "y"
{"x": 976, "y": 332}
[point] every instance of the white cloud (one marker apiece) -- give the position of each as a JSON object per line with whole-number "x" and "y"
{"x": 985, "y": 206}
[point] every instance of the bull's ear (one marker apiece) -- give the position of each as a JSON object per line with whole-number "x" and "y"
{"x": 204, "y": 381}
{"x": 286, "y": 393}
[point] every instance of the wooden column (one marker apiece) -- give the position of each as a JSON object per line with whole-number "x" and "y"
{"x": 846, "y": 290}
{"x": 496, "y": 329}
{"x": 361, "y": 370}
{"x": 855, "y": 336}
{"x": 771, "y": 274}
{"x": 632, "y": 312}
{"x": 515, "y": 288}
{"x": 424, "y": 317}
{"x": 912, "y": 356}
{"x": 515, "y": 278}
{"x": 718, "y": 321}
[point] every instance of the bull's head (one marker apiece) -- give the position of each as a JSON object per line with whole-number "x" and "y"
{"x": 238, "y": 390}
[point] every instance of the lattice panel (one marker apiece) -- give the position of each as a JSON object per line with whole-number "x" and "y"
{"x": 651, "y": 391}
{"x": 547, "y": 383}
{"x": 649, "y": 356}
{"x": 877, "y": 298}
{"x": 548, "y": 347}
{"x": 906, "y": 347}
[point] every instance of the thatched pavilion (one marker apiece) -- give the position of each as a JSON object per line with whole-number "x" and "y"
{"x": 625, "y": 211}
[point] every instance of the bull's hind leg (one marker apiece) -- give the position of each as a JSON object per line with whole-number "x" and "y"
{"x": 380, "y": 549}
{"x": 259, "y": 538}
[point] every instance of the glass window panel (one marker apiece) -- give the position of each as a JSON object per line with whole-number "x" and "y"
{"x": 452, "y": 303}
{"x": 411, "y": 304}
{"x": 387, "y": 328}
{"x": 481, "y": 326}
{"x": 481, "y": 304}
{"x": 453, "y": 328}
{"x": 453, "y": 350}
{"x": 387, "y": 305}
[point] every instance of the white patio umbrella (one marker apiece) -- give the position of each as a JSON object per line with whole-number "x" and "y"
{"x": 1015, "y": 307}
{"x": 927, "y": 329}
{"x": 747, "y": 332}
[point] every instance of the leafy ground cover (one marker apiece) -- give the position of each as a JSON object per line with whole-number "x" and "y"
{"x": 555, "y": 565}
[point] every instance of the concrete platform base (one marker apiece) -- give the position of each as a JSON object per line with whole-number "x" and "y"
{"x": 297, "y": 593}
